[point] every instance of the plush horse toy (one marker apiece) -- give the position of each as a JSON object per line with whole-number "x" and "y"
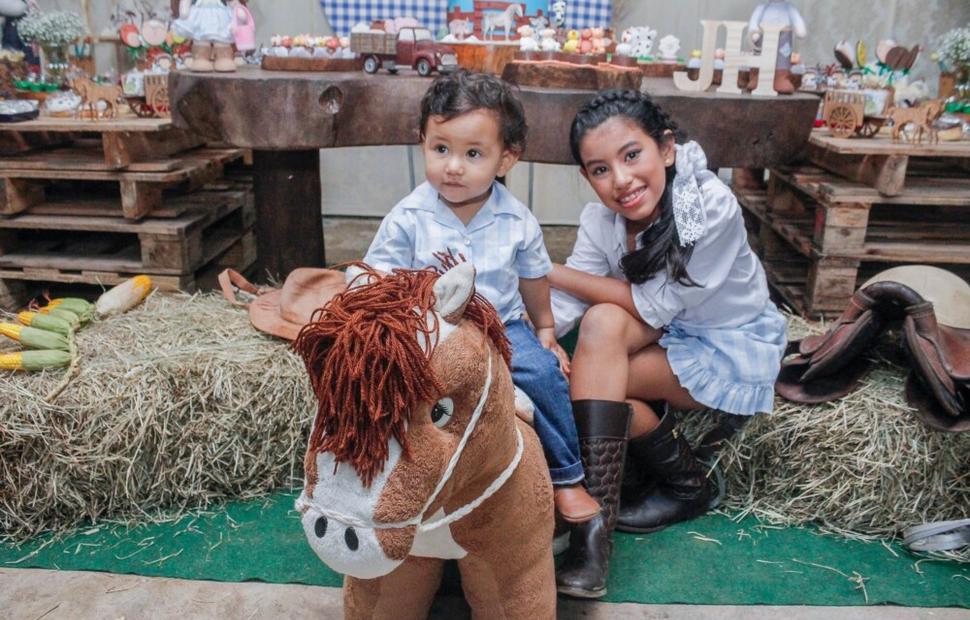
{"x": 416, "y": 454}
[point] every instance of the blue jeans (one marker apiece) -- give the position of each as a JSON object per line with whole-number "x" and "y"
{"x": 535, "y": 370}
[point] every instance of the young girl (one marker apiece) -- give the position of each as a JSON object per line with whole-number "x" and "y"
{"x": 675, "y": 312}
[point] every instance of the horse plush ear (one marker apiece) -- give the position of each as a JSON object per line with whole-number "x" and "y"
{"x": 453, "y": 291}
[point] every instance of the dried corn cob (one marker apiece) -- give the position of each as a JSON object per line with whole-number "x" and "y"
{"x": 34, "y": 338}
{"x": 34, "y": 360}
{"x": 44, "y": 321}
{"x": 124, "y": 297}
{"x": 82, "y": 308}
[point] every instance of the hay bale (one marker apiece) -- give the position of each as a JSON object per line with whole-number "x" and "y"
{"x": 177, "y": 404}
{"x": 861, "y": 467}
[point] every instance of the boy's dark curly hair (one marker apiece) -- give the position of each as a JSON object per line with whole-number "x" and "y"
{"x": 461, "y": 92}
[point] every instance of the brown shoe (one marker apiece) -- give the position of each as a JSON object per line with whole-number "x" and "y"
{"x": 574, "y": 504}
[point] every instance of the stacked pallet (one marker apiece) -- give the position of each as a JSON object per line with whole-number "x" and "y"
{"x": 97, "y": 202}
{"x": 860, "y": 206}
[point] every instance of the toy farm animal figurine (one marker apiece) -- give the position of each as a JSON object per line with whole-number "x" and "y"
{"x": 92, "y": 94}
{"x": 209, "y": 24}
{"x": 505, "y": 19}
{"x": 461, "y": 28}
{"x": 558, "y": 10}
{"x": 416, "y": 454}
{"x": 636, "y": 42}
{"x": 922, "y": 117}
{"x": 782, "y": 13}
{"x": 527, "y": 39}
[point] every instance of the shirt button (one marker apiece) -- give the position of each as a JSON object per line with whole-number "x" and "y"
{"x": 468, "y": 241}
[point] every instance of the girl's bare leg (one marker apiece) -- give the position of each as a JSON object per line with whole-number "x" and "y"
{"x": 650, "y": 378}
{"x": 608, "y": 336}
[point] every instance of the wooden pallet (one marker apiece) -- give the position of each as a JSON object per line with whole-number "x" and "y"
{"x": 141, "y": 191}
{"x": 123, "y": 141}
{"x": 879, "y": 162}
{"x": 817, "y": 253}
{"x": 823, "y": 215}
{"x": 240, "y": 255}
{"x": 213, "y": 221}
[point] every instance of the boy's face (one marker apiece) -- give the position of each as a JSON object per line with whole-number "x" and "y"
{"x": 462, "y": 157}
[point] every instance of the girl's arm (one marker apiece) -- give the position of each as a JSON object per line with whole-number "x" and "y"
{"x": 593, "y": 289}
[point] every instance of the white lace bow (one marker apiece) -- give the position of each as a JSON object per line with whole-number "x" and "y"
{"x": 688, "y": 205}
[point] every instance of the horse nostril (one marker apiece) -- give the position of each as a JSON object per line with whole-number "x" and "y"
{"x": 320, "y": 527}
{"x": 350, "y": 537}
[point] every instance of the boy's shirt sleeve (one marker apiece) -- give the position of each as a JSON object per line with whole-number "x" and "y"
{"x": 659, "y": 300}
{"x": 393, "y": 245}
{"x": 532, "y": 259}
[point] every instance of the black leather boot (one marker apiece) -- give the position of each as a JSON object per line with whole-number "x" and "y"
{"x": 683, "y": 489}
{"x": 603, "y": 427}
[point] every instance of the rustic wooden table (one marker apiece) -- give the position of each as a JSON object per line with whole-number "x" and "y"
{"x": 287, "y": 117}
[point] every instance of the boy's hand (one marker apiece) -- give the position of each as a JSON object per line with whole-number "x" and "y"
{"x": 547, "y": 338}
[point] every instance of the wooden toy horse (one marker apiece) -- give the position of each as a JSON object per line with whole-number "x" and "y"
{"x": 922, "y": 116}
{"x": 416, "y": 454}
{"x": 92, "y": 93}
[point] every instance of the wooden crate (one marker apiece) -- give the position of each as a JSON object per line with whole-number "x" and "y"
{"x": 879, "y": 162}
{"x": 122, "y": 141}
{"x": 827, "y": 216}
{"x": 68, "y": 248}
{"x": 820, "y": 237}
{"x": 25, "y": 179}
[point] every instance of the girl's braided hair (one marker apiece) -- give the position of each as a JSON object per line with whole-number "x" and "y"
{"x": 661, "y": 244}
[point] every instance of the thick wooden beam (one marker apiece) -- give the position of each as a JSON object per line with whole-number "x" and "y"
{"x": 289, "y": 224}
{"x": 268, "y": 110}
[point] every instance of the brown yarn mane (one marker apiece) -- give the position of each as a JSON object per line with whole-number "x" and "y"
{"x": 368, "y": 369}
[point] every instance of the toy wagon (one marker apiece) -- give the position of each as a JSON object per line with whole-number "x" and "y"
{"x": 147, "y": 94}
{"x": 856, "y": 112}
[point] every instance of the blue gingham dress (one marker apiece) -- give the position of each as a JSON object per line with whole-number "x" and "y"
{"x": 725, "y": 339}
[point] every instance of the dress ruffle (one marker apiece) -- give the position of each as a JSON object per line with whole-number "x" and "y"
{"x": 733, "y": 370}
{"x": 712, "y": 391}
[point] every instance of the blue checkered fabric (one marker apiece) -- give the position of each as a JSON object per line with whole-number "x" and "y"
{"x": 344, "y": 14}
{"x": 589, "y": 13}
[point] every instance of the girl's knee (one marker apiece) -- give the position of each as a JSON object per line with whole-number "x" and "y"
{"x": 603, "y": 321}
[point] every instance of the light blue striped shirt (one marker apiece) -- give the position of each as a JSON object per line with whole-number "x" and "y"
{"x": 503, "y": 241}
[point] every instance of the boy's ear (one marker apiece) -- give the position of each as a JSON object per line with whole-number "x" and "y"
{"x": 509, "y": 157}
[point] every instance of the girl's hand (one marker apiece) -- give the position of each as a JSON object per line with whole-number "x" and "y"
{"x": 547, "y": 338}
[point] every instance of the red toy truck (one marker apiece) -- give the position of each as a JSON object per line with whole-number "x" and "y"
{"x": 410, "y": 47}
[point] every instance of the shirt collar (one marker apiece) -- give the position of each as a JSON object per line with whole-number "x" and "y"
{"x": 500, "y": 201}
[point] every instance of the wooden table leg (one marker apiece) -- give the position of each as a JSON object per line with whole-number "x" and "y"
{"x": 289, "y": 223}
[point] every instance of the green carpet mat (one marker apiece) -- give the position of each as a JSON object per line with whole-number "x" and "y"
{"x": 712, "y": 560}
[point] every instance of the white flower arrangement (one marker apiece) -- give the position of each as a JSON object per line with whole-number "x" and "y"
{"x": 954, "y": 48}
{"x": 53, "y": 28}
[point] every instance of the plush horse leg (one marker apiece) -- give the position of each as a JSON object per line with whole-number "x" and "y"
{"x": 511, "y": 574}
{"x": 404, "y": 594}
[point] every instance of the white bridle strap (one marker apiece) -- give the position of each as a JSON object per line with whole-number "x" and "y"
{"x": 302, "y": 503}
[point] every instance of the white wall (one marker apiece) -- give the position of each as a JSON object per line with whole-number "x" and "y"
{"x": 558, "y": 192}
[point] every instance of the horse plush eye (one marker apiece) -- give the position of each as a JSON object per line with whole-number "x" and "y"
{"x": 441, "y": 412}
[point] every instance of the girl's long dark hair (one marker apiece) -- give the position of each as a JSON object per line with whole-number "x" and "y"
{"x": 661, "y": 244}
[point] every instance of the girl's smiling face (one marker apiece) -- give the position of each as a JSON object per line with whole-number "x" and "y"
{"x": 626, "y": 168}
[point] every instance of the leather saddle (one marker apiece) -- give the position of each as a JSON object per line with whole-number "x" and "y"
{"x": 829, "y": 366}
